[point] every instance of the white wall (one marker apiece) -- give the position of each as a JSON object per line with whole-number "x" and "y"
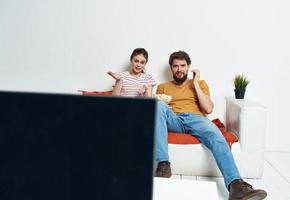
{"x": 64, "y": 45}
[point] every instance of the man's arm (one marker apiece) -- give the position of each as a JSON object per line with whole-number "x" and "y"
{"x": 204, "y": 100}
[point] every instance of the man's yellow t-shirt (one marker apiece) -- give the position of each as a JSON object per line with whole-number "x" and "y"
{"x": 184, "y": 97}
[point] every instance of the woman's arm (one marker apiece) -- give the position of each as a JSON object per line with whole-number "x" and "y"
{"x": 117, "y": 88}
{"x": 148, "y": 91}
{"x": 118, "y": 84}
{"x": 149, "y": 87}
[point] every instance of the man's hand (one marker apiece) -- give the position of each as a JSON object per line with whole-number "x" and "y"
{"x": 115, "y": 76}
{"x": 196, "y": 75}
{"x": 205, "y": 102}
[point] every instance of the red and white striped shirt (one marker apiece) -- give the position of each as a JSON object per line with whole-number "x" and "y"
{"x": 131, "y": 84}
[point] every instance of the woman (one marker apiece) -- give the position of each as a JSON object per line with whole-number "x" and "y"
{"x": 134, "y": 82}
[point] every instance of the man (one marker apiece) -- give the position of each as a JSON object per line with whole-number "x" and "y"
{"x": 189, "y": 106}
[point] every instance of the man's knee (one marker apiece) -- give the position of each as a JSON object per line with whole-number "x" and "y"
{"x": 213, "y": 133}
{"x": 162, "y": 107}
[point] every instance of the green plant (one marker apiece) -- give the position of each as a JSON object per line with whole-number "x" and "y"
{"x": 241, "y": 82}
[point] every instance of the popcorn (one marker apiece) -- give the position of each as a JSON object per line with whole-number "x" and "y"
{"x": 163, "y": 97}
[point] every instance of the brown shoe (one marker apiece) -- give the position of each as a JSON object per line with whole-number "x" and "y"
{"x": 163, "y": 170}
{"x": 241, "y": 190}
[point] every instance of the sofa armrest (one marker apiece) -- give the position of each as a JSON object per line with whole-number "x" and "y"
{"x": 247, "y": 119}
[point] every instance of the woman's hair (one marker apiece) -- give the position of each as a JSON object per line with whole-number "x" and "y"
{"x": 139, "y": 51}
{"x": 180, "y": 55}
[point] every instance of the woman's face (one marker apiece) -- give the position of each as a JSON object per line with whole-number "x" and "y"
{"x": 138, "y": 64}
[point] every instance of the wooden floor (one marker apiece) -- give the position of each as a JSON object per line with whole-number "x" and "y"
{"x": 276, "y": 177}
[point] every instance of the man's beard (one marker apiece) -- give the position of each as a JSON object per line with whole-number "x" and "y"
{"x": 180, "y": 80}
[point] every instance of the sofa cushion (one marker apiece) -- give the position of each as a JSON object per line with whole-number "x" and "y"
{"x": 185, "y": 138}
{"x": 96, "y": 93}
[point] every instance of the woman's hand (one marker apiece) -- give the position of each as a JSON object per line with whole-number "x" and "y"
{"x": 115, "y": 76}
{"x": 143, "y": 90}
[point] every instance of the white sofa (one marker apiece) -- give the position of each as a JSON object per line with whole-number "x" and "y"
{"x": 247, "y": 120}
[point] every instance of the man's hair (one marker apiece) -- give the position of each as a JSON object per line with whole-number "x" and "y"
{"x": 180, "y": 55}
{"x": 139, "y": 51}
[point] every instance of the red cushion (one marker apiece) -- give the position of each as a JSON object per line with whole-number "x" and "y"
{"x": 97, "y": 93}
{"x": 184, "y": 138}
{"x": 181, "y": 138}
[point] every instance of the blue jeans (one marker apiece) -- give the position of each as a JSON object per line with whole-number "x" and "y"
{"x": 203, "y": 129}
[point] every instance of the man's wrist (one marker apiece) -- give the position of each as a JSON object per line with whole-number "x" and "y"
{"x": 195, "y": 84}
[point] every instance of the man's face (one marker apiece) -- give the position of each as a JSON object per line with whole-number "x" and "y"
{"x": 179, "y": 70}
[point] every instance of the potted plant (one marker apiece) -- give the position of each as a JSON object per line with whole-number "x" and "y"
{"x": 240, "y": 83}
